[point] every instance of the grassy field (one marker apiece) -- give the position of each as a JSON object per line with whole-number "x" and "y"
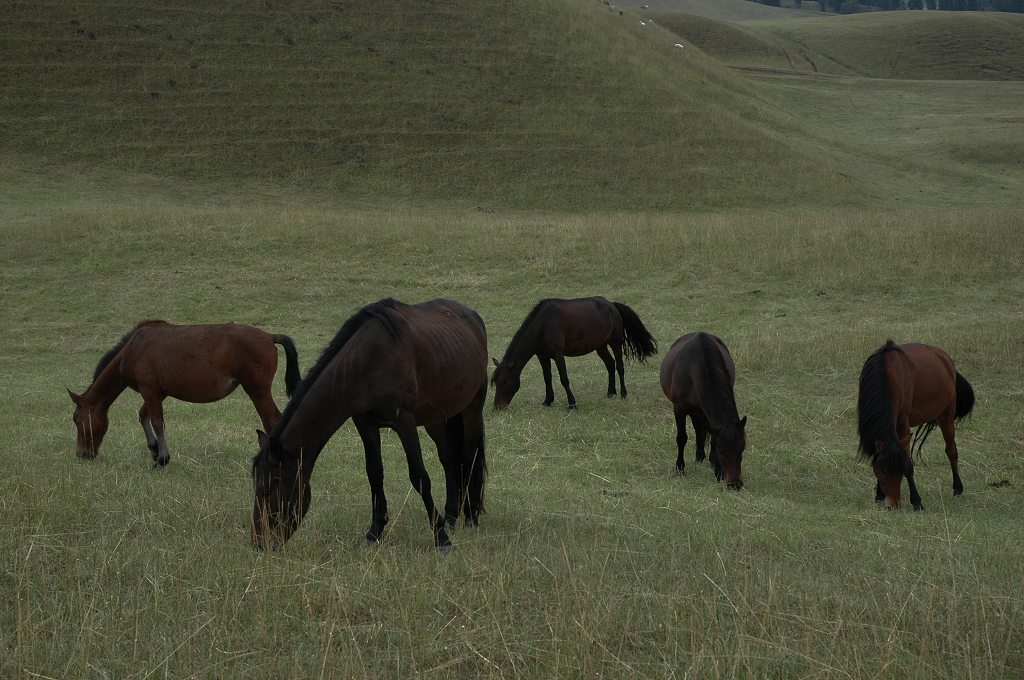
{"x": 829, "y": 214}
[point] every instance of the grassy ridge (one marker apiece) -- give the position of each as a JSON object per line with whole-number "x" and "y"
{"x": 901, "y": 45}
{"x": 536, "y": 104}
{"x": 594, "y": 557}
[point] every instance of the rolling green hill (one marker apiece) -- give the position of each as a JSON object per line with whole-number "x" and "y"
{"x": 727, "y": 10}
{"x": 527, "y": 104}
{"x": 900, "y": 45}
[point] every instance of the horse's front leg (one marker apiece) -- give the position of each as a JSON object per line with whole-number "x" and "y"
{"x": 370, "y": 434}
{"x": 154, "y": 407}
{"x": 680, "y": 438}
{"x": 545, "y": 369}
{"x": 405, "y": 426}
{"x": 700, "y": 430}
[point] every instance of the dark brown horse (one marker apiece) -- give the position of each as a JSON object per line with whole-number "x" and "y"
{"x": 901, "y": 387}
{"x": 698, "y": 376}
{"x": 391, "y": 365}
{"x": 199, "y": 364}
{"x": 556, "y": 329}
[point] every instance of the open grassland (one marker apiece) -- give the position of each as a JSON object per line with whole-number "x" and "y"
{"x": 594, "y": 558}
{"x": 208, "y": 163}
{"x": 906, "y": 45}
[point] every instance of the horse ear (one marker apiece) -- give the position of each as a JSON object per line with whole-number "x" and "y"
{"x": 743, "y": 422}
{"x": 495, "y": 362}
{"x": 262, "y": 438}
{"x": 77, "y": 398}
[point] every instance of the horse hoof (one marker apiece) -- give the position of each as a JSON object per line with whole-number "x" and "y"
{"x": 680, "y": 471}
{"x": 369, "y": 542}
{"x": 445, "y": 548}
{"x": 958, "y": 491}
{"x": 918, "y": 507}
{"x": 735, "y": 486}
{"x": 611, "y": 395}
{"x": 546, "y": 403}
{"x": 623, "y": 395}
{"x": 571, "y": 407}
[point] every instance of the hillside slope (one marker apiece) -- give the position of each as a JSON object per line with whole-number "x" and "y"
{"x": 527, "y": 104}
{"x": 727, "y": 10}
{"x": 903, "y": 45}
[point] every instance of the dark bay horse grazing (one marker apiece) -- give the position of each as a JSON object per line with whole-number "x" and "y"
{"x": 901, "y": 387}
{"x": 698, "y": 376}
{"x": 391, "y": 365}
{"x": 556, "y": 329}
{"x": 198, "y": 364}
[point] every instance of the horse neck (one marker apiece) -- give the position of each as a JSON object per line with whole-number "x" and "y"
{"x": 523, "y": 345}
{"x": 322, "y": 412}
{"x": 107, "y": 387}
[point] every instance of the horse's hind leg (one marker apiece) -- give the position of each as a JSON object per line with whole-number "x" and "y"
{"x": 264, "y": 403}
{"x": 155, "y": 411}
{"x": 444, "y": 437}
{"x": 563, "y": 376}
{"x": 406, "y": 429}
{"x": 609, "y": 365}
{"x": 147, "y": 427}
{"x": 948, "y": 434}
{"x": 680, "y": 438}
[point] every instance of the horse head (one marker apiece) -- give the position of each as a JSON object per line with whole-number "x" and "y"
{"x": 732, "y": 440}
{"x": 282, "y": 493}
{"x": 505, "y": 381}
{"x": 91, "y": 424}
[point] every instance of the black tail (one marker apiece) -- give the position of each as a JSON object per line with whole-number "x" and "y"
{"x": 874, "y": 411}
{"x": 472, "y": 466}
{"x": 640, "y": 344}
{"x": 292, "y": 377}
{"x": 964, "y": 398}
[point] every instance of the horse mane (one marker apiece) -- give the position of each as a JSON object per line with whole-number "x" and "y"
{"x": 113, "y": 351}
{"x": 874, "y": 403}
{"x": 517, "y": 338}
{"x": 380, "y": 311}
{"x": 714, "y": 369}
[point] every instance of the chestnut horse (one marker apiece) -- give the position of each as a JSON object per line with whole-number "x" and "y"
{"x": 555, "y": 329}
{"x": 904, "y": 386}
{"x": 199, "y": 364}
{"x": 391, "y": 365}
{"x": 698, "y": 376}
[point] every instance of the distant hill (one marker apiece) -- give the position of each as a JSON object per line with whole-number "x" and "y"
{"x": 537, "y": 103}
{"x": 906, "y": 45}
{"x": 726, "y": 10}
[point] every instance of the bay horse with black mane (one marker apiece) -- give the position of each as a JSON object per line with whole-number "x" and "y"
{"x": 391, "y": 365}
{"x": 555, "y": 329}
{"x": 902, "y": 387}
{"x": 698, "y": 376}
{"x": 199, "y": 364}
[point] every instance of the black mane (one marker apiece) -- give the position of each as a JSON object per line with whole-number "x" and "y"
{"x": 874, "y": 404}
{"x": 517, "y": 338}
{"x": 718, "y": 382}
{"x": 113, "y": 351}
{"x": 378, "y": 310}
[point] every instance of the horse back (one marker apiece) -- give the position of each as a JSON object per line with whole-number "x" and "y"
{"x": 683, "y": 376}
{"x": 195, "y": 359}
{"x": 446, "y": 351}
{"x": 931, "y": 382}
{"x": 578, "y": 326}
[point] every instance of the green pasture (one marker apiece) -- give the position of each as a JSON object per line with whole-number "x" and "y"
{"x": 560, "y": 150}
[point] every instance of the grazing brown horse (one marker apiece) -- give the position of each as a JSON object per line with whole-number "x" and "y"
{"x": 199, "y": 364}
{"x": 391, "y": 365}
{"x": 698, "y": 376}
{"x": 556, "y": 329}
{"x": 901, "y": 387}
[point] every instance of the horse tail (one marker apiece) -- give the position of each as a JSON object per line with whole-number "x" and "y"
{"x": 874, "y": 410}
{"x": 292, "y": 377}
{"x": 472, "y": 465}
{"x": 639, "y": 343}
{"x": 964, "y": 398}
